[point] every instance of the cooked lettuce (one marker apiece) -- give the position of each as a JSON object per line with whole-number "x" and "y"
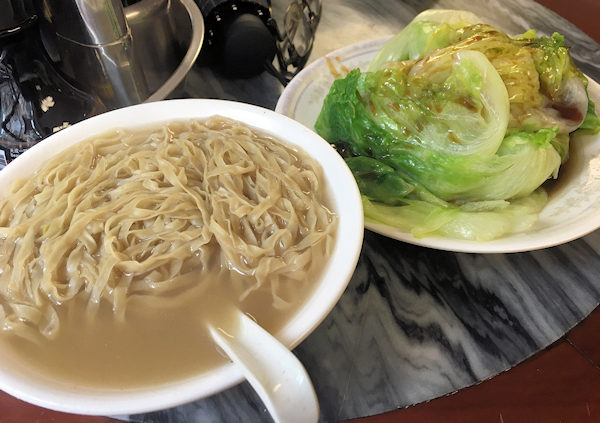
{"x": 479, "y": 222}
{"x": 429, "y": 30}
{"x": 456, "y": 125}
{"x": 591, "y": 122}
{"x": 552, "y": 61}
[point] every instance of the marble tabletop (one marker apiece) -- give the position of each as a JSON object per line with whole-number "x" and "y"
{"x": 416, "y": 323}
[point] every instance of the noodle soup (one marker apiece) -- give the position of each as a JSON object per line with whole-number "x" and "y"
{"x": 121, "y": 249}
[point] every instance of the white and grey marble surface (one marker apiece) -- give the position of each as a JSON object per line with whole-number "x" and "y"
{"x": 415, "y": 323}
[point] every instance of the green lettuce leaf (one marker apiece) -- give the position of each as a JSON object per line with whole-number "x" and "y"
{"x": 430, "y": 30}
{"x": 492, "y": 221}
{"x": 355, "y": 115}
{"x": 591, "y": 122}
{"x": 553, "y": 63}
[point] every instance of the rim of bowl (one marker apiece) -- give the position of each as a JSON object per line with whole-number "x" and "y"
{"x": 344, "y": 195}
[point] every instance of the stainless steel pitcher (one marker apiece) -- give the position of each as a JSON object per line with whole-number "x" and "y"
{"x": 94, "y": 43}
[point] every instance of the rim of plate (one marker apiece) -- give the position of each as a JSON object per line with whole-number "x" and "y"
{"x": 288, "y": 98}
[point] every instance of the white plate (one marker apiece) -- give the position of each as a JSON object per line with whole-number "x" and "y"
{"x": 573, "y": 209}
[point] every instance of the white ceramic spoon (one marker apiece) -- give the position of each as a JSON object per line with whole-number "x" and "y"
{"x": 277, "y": 376}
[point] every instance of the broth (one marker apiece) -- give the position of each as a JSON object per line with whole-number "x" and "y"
{"x": 154, "y": 345}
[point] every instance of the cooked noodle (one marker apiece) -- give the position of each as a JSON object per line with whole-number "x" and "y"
{"x": 135, "y": 213}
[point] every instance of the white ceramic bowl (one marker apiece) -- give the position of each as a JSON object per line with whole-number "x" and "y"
{"x": 18, "y": 379}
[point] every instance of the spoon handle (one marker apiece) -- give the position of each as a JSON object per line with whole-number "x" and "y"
{"x": 277, "y": 376}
